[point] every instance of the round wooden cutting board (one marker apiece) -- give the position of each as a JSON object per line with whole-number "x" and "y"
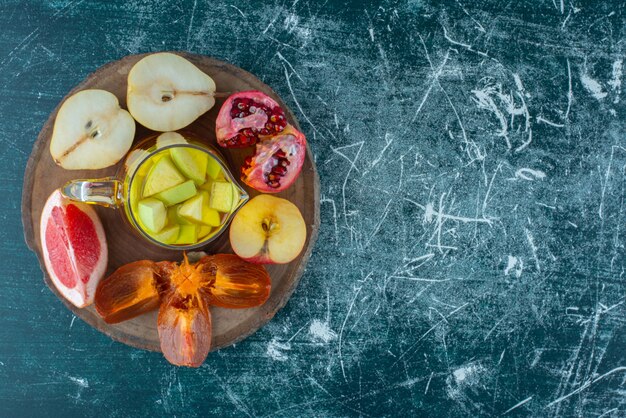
{"x": 42, "y": 176}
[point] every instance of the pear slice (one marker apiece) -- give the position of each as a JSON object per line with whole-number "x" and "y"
{"x": 91, "y": 131}
{"x": 166, "y": 92}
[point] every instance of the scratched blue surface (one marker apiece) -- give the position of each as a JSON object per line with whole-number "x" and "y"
{"x": 470, "y": 261}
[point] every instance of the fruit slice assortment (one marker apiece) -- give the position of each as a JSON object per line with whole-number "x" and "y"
{"x": 180, "y": 195}
{"x": 252, "y": 118}
{"x": 182, "y": 293}
{"x": 74, "y": 248}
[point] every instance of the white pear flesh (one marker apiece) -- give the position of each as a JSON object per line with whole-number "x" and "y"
{"x": 91, "y": 131}
{"x": 166, "y": 92}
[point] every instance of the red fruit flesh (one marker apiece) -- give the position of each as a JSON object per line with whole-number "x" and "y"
{"x": 58, "y": 249}
{"x": 73, "y": 247}
{"x": 276, "y": 163}
{"x": 245, "y": 117}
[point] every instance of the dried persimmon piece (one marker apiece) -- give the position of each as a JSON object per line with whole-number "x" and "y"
{"x": 130, "y": 291}
{"x": 184, "y": 326}
{"x": 235, "y": 283}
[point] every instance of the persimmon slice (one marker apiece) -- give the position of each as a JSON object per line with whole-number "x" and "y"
{"x": 184, "y": 326}
{"x": 129, "y": 292}
{"x": 236, "y": 283}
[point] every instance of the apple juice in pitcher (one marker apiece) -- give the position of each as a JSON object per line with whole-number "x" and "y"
{"x": 178, "y": 194}
{"x": 174, "y": 190}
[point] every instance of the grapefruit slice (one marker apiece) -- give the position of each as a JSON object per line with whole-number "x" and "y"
{"x": 74, "y": 248}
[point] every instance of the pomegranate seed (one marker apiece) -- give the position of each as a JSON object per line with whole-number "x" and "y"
{"x": 280, "y": 154}
{"x": 279, "y": 170}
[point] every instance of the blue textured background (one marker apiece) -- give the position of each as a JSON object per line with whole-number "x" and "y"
{"x": 471, "y": 256}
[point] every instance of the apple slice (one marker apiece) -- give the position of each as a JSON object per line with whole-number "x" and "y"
{"x": 192, "y": 208}
{"x": 173, "y": 216}
{"x": 221, "y": 196}
{"x": 268, "y": 230}
{"x": 188, "y": 235}
{"x": 152, "y": 214}
{"x": 203, "y": 231}
{"x": 210, "y": 217}
{"x": 162, "y": 176}
{"x": 166, "y": 92}
{"x": 178, "y": 193}
{"x": 213, "y": 168}
{"x": 168, "y": 235}
{"x": 191, "y": 162}
{"x": 91, "y": 131}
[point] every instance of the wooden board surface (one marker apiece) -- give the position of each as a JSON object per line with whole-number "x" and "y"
{"x": 229, "y": 326}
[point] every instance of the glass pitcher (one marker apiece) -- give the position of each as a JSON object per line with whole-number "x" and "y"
{"x": 174, "y": 190}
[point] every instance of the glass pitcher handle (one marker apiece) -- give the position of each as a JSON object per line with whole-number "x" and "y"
{"x": 105, "y": 191}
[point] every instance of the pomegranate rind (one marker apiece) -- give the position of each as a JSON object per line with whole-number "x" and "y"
{"x": 184, "y": 330}
{"x": 226, "y": 127}
{"x": 82, "y": 293}
{"x": 293, "y": 143}
{"x": 237, "y": 283}
{"x": 129, "y": 292}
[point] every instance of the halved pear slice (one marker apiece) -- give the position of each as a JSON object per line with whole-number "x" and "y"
{"x": 91, "y": 131}
{"x": 166, "y": 92}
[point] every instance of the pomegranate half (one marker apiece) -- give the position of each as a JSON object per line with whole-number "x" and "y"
{"x": 251, "y": 117}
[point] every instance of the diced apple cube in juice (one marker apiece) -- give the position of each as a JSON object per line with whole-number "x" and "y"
{"x": 191, "y": 162}
{"x": 192, "y": 208}
{"x": 203, "y": 231}
{"x": 221, "y": 196}
{"x": 152, "y": 214}
{"x": 168, "y": 235}
{"x": 188, "y": 234}
{"x": 162, "y": 176}
{"x": 174, "y": 217}
{"x": 210, "y": 217}
{"x": 178, "y": 193}
{"x": 213, "y": 168}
